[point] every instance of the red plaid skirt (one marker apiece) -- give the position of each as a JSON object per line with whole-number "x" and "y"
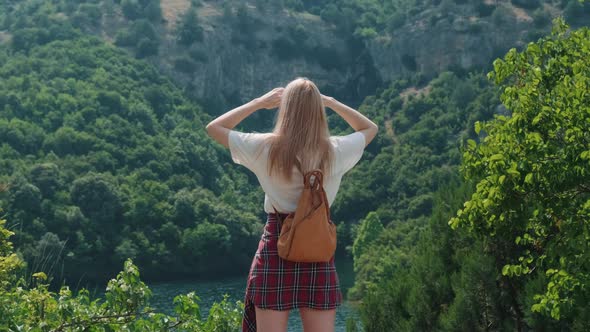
{"x": 277, "y": 284}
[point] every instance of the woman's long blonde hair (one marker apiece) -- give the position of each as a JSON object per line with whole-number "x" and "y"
{"x": 301, "y": 130}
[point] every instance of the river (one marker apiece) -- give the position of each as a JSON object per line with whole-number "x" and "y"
{"x": 212, "y": 291}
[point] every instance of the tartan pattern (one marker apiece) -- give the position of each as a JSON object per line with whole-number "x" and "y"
{"x": 277, "y": 284}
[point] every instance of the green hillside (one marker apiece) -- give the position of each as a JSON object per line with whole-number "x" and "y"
{"x": 106, "y": 159}
{"x": 516, "y": 254}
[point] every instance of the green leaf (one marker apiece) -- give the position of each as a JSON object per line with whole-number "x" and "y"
{"x": 496, "y": 157}
{"x": 40, "y": 275}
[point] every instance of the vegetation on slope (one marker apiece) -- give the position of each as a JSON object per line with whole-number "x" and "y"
{"x": 517, "y": 259}
{"x": 106, "y": 159}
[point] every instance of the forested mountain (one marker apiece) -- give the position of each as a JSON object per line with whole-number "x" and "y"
{"x": 224, "y": 52}
{"x": 107, "y": 159}
{"x": 103, "y": 149}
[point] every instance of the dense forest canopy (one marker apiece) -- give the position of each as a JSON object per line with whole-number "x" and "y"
{"x": 104, "y": 157}
{"x": 107, "y": 160}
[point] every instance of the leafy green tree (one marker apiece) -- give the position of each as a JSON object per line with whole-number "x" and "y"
{"x": 10, "y": 263}
{"x": 188, "y": 29}
{"x": 147, "y": 47}
{"x": 532, "y": 168}
{"x": 131, "y": 9}
{"x": 46, "y": 177}
{"x": 206, "y": 238}
{"x": 67, "y": 140}
{"x": 153, "y": 11}
{"x": 369, "y": 230}
{"x": 88, "y": 16}
{"x": 23, "y": 136}
{"x": 330, "y": 13}
{"x": 25, "y": 196}
{"x": 24, "y": 39}
{"x": 97, "y": 197}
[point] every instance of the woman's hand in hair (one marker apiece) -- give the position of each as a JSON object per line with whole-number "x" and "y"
{"x": 271, "y": 99}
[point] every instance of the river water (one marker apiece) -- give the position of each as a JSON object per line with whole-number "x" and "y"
{"x": 212, "y": 291}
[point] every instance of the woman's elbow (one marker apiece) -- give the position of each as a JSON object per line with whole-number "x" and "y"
{"x": 374, "y": 127}
{"x": 210, "y": 127}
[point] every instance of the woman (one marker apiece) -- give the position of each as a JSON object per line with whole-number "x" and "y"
{"x": 301, "y": 134}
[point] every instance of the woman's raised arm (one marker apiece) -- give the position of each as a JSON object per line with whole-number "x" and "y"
{"x": 219, "y": 128}
{"x": 354, "y": 118}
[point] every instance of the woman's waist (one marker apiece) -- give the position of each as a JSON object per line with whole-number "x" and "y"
{"x": 274, "y": 221}
{"x": 273, "y": 215}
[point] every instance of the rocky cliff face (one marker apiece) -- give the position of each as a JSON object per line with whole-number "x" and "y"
{"x": 243, "y": 60}
{"x": 245, "y": 50}
{"x": 429, "y": 44}
{"x": 242, "y": 65}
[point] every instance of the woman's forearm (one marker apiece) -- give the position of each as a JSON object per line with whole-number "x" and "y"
{"x": 353, "y": 117}
{"x": 233, "y": 117}
{"x": 220, "y": 128}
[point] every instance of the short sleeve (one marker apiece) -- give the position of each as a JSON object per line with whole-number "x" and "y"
{"x": 245, "y": 147}
{"x": 349, "y": 150}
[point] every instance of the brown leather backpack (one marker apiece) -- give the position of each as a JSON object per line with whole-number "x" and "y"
{"x": 308, "y": 234}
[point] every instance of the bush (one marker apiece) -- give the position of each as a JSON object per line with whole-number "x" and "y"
{"x": 147, "y": 47}
{"x": 367, "y": 33}
{"x": 124, "y": 38}
{"x": 189, "y": 31}
{"x": 87, "y": 16}
{"x": 153, "y": 11}
{"x": 149, "y": 9}
{"x": 141, "y": 35}
{"x": 24, "y": 39}
{"x": 131, "y": 9}
{"x": 331, "y": 14}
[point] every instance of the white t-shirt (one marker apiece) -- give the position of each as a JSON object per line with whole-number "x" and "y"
{"x": 281, "y": 193}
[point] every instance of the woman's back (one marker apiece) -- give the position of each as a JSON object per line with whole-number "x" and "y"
{"x": 276, "y": 285}
{"x": 252, "y": 151}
